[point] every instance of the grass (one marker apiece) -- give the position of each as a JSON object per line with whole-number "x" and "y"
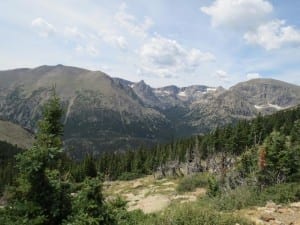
{"x": 187, "y": 214}
{"x": 243, "y": 197}
{"x": 190, "y": 183}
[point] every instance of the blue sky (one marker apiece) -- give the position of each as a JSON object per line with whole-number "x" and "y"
{"x": 163, "y": 42}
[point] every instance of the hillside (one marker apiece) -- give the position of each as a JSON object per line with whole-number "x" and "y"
{"x": 243, "y": 173}
{"x": 104, "y": 113}
{"x": 15, "y": 135}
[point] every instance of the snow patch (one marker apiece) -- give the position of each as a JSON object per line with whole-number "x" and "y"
{"x": 211, "y": 89}
{"x": 278, "y": 107}
{"x": 259, "y": 107}
{"x": 182, "y": 94}
{"x": 162, "y": 92}
{"x": 157, "y": 91}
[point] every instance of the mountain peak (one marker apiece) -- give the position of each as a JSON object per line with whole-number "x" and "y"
{"x": 98, "y": 106}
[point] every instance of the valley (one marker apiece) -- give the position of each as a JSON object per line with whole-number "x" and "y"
{"x": 149, "y": 112}
{"x": 242, "y": 172}
{"x": 112, "y": 114}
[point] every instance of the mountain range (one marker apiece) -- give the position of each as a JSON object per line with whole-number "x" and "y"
{"x": 105, "y": 113}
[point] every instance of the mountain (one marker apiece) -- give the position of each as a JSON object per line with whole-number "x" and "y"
{"x": 104, "y": 113}
{"x": 15, "y": 135}
{"x": 243, "y": 101}
{"x": 99, "y": 111}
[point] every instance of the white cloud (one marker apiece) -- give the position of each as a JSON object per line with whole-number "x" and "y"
{"x": 121, "y": 42}
{"x": 238, "y": 14}
{"x": 43, "y": 28}
{"x": 166, "y": 58}
{"x": 73, "y": 32}
{"x": 273, "y": 35}
{"x": 117, "y": 41}
{"x": 253, "y": 76}
{"x": 90, "y": 50}
{"x": 222, "y": 75}
{"x": 131, "y": 24}
{"x": 195, "y": 57}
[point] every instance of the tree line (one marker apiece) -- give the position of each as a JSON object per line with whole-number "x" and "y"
{"x": 45, "y": 186}
{"x": 234, "y": 140}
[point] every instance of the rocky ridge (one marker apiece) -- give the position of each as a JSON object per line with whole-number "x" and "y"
{"x": 105, "y": 113}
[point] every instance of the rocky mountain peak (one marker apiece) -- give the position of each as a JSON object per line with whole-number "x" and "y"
{"x": 104, "y": 113}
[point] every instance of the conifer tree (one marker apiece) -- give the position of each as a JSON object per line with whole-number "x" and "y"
{"x": 40, "y": 196}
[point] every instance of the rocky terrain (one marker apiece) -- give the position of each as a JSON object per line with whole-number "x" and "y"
{"x": 105, "y": 113}
{"x": 149, "y": 194}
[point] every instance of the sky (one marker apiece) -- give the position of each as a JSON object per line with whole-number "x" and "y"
{"x": 163, "y": 42}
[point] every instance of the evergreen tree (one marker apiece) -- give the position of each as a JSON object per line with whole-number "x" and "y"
{"x": 281, "y": 159}
{"x": 41, "y": 197}
{"x": 90, "y": 166}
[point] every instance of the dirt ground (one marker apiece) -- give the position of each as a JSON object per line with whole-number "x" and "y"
{"x": 148, "y": 194}
{"x": 151, "y": 195}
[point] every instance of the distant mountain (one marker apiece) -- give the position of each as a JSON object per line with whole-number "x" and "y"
{"x": 15, "y": 135}
{"x": 105, "y": 113}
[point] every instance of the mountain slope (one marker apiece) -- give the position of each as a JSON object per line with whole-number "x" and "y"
{"x": 100, "y": 112}
{"x": 104, "y": 113}
{"x": 15, "y": 135}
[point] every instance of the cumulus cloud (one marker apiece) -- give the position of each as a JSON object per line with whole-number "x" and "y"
{"x": 222, "y": 75}
{"x": 131, "y": 24}
{"x": 273, "y": 35}
{"x": 166, "y": 57}
{"x": 253, "y": 76}
{"x": 43, "y": 28}
{"x": 73, "y": 32}
{"x": 238, "y": 14}
{"x": 195, "y": 57}
{"x": 90, "y": 50}
{"x": 252, "y": 17}
{"x": 117, "y": 41}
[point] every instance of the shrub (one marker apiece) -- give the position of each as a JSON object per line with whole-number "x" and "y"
{"x": 190, "y": 183}
{"x": 282, "y": 193}
{"x": 234, "y": 199}
{"x": 129, "y": 176}
{"x": 245, "y": 196}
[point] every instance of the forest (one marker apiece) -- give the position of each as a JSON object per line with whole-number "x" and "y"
{"x": 44, "y": 185}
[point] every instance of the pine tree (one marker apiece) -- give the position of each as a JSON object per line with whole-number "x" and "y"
{"x": 40, "y": 196}
{"x": 90, "y": 166}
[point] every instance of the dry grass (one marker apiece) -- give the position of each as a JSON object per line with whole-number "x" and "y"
{"x": 148, "y": 194}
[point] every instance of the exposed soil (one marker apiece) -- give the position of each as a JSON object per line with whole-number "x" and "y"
{"x": 150, "y": 195}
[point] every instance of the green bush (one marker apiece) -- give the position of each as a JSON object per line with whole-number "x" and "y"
{"x": 190, "y": 183}
{"x": 282, "y": 193}
{"x": 238, "y": 198}
{"x": 129, "y": 176}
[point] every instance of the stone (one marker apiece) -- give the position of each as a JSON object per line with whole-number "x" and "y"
{"x": 267, "y": 217}
{"x": 271, "y": 204}
{"x": 295, "y": 205}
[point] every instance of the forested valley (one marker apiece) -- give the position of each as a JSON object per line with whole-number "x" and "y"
{"x": 241, "y": 165}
